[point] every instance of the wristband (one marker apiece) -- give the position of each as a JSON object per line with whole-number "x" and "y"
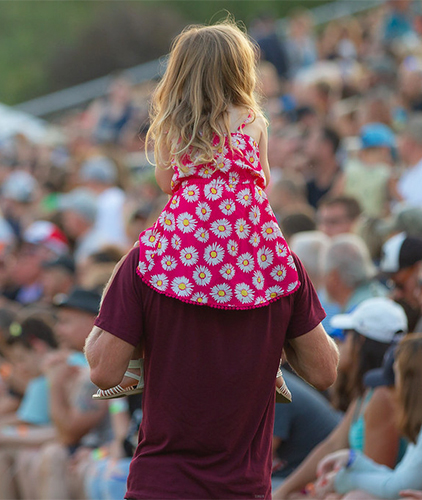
{"x": 352, "y": 458}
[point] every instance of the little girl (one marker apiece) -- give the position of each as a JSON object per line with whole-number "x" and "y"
{"x": 217, "y": 242}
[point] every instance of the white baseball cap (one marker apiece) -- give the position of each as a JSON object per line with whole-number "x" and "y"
{"x": 378, "y": 318}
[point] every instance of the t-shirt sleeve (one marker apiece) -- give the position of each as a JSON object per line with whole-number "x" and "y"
{"x": 121, "y": 310}
{"x": 307, "y": 310}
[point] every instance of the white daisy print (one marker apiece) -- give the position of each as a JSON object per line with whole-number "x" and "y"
{"x": 189, "y": 256}
{"x": 221, "y": 293}
{"x": 176, "y": 242}
{"x": 255, "y": 239}
{"x": 269, "y": 231}
{"x": 292, "y": 286}
{"x": 175, "y": 201}
{"x": 239, "y": 142}
{"x": 149, "y": 257}
{"x": 252, "y": 159}
{"x": 258, "y": 280}
{"x": 273, "y": 291}
{"x": 202, "y": 275}
{"x": 242, "y": 229}
{"x": 142, "y": 268}
{"x": 259, "y": 195}
{"x": 269, "y": 211}
{"x": 199, "y": 297}
{"x": 291, "y": 262}
{"x": 214, "y": 254}
{"x": 280, "y": 249}
{"x": 202, "y": 234}
{"x": 168, "y": 263}
{"x": 265, "y": 257}
{"x": 244, "y": 293}
{"x": 244, "y": 197}
{"x": 214, "y": 190}
{"x": 233, "y": 181}
{"x": 150, "y": 238}
{"x": 227, "y": 271}
{"x": 241, "y": 164}
{"x": 260, "y": 300}
{"x": 203, "y": 211}
{"x": 223, "y": 164}
{"x": 162, "y": 245}
{"x": 255, "y": 215}
{"x": 278, "y": 272}
{"x": 186, "y": 170}
{"x": 206, "y": 172}
{"x": 181, "y": 286}
{"x": 221, "y": 228}
{"x": 227, "y": 207}
{"x": 186, "y": 223}
{"x": 232, "y": 247}
{"x": 159, "y": 281}
{"x": 191, "y": 193}
{"x": 245, "y": 262}
{"x": 167, "y": 221}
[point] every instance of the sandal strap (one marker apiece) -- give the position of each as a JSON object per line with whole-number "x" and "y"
{"x": 133, "y": 375}
{"x": 136, "y": 363}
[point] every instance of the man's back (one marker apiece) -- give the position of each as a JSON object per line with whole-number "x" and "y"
{"x": 209, "y": 386}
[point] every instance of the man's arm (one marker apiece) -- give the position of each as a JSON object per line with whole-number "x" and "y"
{"x": 314, "y": 357}
{"x": 108, "y": 357}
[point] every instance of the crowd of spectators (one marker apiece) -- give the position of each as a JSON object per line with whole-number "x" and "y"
{"x": 344, "y": 107}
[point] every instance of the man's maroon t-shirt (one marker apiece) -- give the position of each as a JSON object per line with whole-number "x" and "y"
{"x": 208, "y": 404}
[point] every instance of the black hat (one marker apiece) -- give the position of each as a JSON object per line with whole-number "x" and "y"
{"x": 383, "y": 376}
{"x": 64, "y": 261}
{"x": 399, "y": 252}
{"x": 81, "y": 299}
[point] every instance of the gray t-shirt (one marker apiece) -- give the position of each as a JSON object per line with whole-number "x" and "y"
{"x": 301, "y": 424}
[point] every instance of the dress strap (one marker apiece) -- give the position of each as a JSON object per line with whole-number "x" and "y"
{"x": 245, "y": 122}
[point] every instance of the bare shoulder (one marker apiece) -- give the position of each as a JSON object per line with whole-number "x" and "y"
{"x": 257, "y": 128}
{"x": 381, "y": 406}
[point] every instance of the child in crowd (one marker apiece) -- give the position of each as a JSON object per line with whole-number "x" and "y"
{"x": 217, "y": 242}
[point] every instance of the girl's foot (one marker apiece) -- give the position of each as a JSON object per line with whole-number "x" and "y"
{"x": 283, "y": 395}
{"x": 132, "y": 382}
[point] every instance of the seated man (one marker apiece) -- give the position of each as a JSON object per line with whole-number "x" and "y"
{"x": 30, "y": 426}
{"x": 299, "y": 427}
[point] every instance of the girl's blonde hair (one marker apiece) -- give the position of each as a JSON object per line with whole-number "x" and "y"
{"x": 409, "y": 360}
{"x": 209, "y": 69}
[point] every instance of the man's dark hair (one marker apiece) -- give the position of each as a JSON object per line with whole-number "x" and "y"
{"x": 353, "y": 209}
{"x": 29, "y": 330}
{"x": 330, "y": 135}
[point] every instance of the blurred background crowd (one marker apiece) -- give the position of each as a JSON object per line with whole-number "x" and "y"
{"x": 344, "y": 105}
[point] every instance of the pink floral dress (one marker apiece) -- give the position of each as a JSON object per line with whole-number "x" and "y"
{"x": 217, "y": 241}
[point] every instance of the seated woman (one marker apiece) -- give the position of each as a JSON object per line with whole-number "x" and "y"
{"x": 369, "y": 424}
{"x": 352, "y": 473}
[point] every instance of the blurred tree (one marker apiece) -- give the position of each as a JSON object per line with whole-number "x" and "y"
{"x": 45, "y": 45}
{"x": 121, "y": 37}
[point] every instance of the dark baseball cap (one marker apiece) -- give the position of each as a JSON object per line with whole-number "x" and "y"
{"x": 383, "y": 376}
{"x": 399, "y": 252}
{"x": 80, "y": 299}
{"x": 64, "y": 262}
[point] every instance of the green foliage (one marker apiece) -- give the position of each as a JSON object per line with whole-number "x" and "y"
{"x": 41, "y": 41}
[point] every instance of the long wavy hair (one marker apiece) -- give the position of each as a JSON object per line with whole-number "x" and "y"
{"x": 408, "y": 357}
{"x": 210, "y": 68}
